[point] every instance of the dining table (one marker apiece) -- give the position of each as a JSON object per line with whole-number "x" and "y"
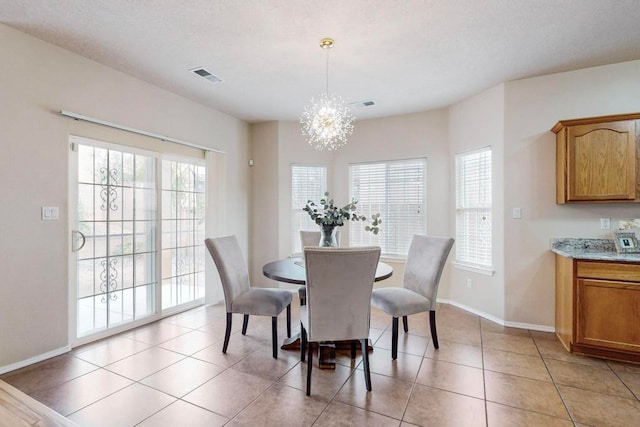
{"x": 292, "y": 270}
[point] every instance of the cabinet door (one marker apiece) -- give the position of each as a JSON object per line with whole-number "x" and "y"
{"x": 608, "y": 314}
{"x": 601, "y": 161}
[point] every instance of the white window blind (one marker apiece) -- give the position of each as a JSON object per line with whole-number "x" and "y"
{"x": 473, "y": 208}
{"x": 307, "y": 183}
{"x": 396, "y": 190}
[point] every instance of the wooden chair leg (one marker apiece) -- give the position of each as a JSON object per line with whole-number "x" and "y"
{"x": 245, "y": 323}
{"x": 274, "y": 335}
{"x": 432, "y": 323}
{"x": 303, "y": 343}
{"x": 365, "y": 363}
{"x": 289, "y": 321}
{"x": 309, "y": 366}
{"x": 353, "y": 349}
{"x": 394, "y": 338}
{"x": 227, "y": 333}
{"x": 405, "y": 324}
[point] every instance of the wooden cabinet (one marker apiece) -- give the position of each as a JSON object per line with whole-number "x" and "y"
{"x": 596, "y": 159}
{"x": 598, "y": 308}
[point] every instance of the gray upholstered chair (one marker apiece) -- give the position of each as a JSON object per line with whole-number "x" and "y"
{"x": 311, "y": 238}
{"x": 422, "y": 271}
{"x": 339, "y": 284}
{"x": 240, "y": 297}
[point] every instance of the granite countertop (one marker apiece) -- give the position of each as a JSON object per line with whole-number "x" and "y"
{"x": 591, "y": 249}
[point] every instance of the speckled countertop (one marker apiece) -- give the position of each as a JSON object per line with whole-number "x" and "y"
{"x": 591, "y": 249}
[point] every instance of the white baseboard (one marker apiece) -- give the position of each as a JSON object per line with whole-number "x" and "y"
{"x": 34, "y": 359}
{"x": 498, "y": 320}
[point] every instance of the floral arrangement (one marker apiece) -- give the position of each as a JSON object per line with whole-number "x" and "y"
{"x": 327, "y": 214}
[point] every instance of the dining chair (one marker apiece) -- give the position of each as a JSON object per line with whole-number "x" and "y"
{"x": 240, "y": 296}
{"x": 311, "y": 238}
{"x": 425, "y": 262}
{"x": 339, "y": 284}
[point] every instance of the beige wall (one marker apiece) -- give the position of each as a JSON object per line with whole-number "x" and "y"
{"x": 475, "y": 123}
{"x": 532, "y": 107}
{"x": 36, "y": 81}
{"x": 414, "y": 135}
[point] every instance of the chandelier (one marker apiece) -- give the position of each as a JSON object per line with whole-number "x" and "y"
{"x": 327, "y": 121}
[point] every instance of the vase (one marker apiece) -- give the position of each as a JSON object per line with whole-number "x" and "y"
{"x": 328, "y": 236}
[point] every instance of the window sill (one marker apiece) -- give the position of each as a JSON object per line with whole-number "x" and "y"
{"x": 475, "y": 269}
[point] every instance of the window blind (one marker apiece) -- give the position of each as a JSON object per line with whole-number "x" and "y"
{"x": 396, "y": 190}
{"x": 473, "y": 208}
{"x": 307, "y": 183}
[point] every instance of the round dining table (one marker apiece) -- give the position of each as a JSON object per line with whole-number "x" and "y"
{"x": 291, "y": 270}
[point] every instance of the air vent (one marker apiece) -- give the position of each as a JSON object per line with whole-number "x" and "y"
{"x": 207, "y": 75}
{"x": 360, "y": 104}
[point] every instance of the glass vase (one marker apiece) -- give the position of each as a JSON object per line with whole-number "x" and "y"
{"x": 328, "y": 236}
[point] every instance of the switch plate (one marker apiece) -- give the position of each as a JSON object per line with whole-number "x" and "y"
{"x": 50, "y": 213}
{"x": 605, "y": 223}
{"x": 517, "y": 213}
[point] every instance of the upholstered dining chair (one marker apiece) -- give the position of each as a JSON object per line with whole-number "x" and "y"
{"x": 240, "y": 297}
{"x": 339, "y": 284}
{"x": 311, "y": 238}
{"x": 425, "y": 262}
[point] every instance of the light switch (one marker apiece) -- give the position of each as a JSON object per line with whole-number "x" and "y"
{"x": 605, "y": 223}
{"x": 50, "y": 213}
{"x": 517, "y": 213}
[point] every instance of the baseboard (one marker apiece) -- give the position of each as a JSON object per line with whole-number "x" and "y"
{"x": 34, "y": 359}
{"x": 497, "y": 320}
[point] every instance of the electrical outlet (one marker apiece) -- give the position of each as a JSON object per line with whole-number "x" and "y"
{"x": 605, "y": 223}
{"x": 469, "y": 283}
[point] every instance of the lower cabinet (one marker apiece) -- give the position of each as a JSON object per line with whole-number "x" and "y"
{"x": 598, "y": 308}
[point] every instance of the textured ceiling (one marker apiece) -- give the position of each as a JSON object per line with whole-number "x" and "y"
{"x": 407, "y": 55}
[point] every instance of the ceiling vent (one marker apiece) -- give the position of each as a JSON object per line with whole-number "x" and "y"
{"x": 207, "y": 75}
{"x": 359, "y": 104}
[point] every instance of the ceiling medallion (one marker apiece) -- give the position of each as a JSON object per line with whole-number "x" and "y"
{"x": 327, "y": 121}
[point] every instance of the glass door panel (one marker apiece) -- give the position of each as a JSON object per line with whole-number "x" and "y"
{"x": 116, "y": 213}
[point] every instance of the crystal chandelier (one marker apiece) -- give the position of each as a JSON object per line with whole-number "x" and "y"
{"x": 327, "y": 121}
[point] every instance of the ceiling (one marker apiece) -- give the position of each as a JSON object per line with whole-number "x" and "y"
{"x": 407, "y": 55}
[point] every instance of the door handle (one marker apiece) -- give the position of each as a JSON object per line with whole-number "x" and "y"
{"x": 77, "y": 235}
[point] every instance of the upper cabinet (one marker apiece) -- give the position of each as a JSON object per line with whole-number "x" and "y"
{"x": 596, "y": 159}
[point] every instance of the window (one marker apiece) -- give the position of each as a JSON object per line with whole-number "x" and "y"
{"x": 307, "y": 183}
{"x": 396, "y": 190}
{"x": 473, "y": 208}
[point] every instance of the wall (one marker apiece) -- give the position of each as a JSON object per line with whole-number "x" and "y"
{"x": 408, "y": 136}
{"x": 532, "y": 107}
{"x": 36, "y": 81}
{"x": 474, "y": 123}
{"x": 414, "y": 135}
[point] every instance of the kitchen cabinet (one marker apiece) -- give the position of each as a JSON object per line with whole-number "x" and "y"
{"x": 596, "y": 159}
{"x": 598, "y": 307}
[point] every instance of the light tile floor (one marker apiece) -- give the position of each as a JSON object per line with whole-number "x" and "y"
{"x": 172, "y": 372}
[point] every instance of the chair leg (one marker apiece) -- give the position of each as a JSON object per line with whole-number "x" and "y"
{"x": 353, "y": 349}
{"x": 289, "y": 321}
{"x": 245, "y": 323}
{"x": 394, "y": 338}
{"x": 309, "y": 366}
{"x": 365, "y": 363}
{"x": 274, "y": 335}
{"x": 303, "y": 342}
{"x": 432, "y": 322}
{"x": 405, "y": 324}
{"x": 227, "y": 333}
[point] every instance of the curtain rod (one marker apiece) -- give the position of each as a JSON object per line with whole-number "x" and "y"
{"x": 138, "y": 131}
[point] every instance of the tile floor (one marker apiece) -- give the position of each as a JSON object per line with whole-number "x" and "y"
{"x": 173, "y": 372}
